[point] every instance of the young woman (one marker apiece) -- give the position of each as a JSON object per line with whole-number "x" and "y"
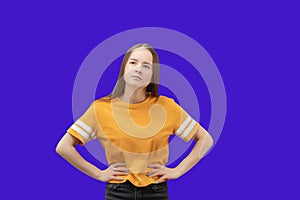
{"x": 133, "y": 125}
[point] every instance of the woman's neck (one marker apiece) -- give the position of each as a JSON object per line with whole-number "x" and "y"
{"x": 133, "y": 95}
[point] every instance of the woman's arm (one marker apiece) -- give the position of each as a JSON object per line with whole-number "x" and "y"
{"x": 203, "y": 143}
{"x": 66, "y": 149}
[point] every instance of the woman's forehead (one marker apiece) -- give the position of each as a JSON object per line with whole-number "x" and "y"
{"x": 142, "y": 55}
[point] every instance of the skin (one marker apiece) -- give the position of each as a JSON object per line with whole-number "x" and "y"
{"x": 139, "y": 64}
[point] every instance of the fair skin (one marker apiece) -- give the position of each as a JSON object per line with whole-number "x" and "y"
{"x": 137, "y": 75}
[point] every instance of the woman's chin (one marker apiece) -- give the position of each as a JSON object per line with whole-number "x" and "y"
{"x": 136, "y": 85}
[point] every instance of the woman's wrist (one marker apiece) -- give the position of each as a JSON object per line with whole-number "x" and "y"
{"x": 99, "y": 175}
{"x": 179, "y": 171}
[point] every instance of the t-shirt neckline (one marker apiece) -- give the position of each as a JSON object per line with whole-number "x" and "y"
{"x": 133, "y": 104}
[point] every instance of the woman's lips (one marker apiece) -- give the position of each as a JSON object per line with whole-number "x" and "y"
{"x": 137, "y": 77}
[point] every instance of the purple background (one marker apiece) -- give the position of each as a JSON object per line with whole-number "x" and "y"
{"x": 254, "y": 45}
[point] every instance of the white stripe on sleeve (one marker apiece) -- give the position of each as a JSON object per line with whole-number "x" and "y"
{"x": 87, "y": 128}
{"x": 188, "y": 130}
{"x": 183, "y": 125}
{"x": 80, "y": 131}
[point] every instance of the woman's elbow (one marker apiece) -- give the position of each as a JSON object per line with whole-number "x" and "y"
{"x": 65, "y": 144}
{"x": 204, "y": 136}
{"x": 210, "y": 140}
{"x": 62, "y": 147}
{"x": 59, "y": 149}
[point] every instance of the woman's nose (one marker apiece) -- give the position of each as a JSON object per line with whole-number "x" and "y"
{"x": 138, "y": 68}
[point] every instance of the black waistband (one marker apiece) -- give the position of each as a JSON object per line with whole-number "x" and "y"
{"x": 127, "y": 183}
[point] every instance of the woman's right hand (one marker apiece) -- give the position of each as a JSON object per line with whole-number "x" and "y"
{"x": 113, "y": 171}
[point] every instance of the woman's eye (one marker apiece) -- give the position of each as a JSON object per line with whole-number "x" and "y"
{"x": 147, "y": 66}
{"x": 132, "y": 63}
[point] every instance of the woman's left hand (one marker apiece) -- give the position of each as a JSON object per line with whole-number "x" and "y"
{"x": 163, "y": 171}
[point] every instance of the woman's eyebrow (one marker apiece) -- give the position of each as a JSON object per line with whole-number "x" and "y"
{"x": 138, "y": 60}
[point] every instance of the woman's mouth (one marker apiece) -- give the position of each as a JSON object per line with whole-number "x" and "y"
{"x": 137, "y": 77}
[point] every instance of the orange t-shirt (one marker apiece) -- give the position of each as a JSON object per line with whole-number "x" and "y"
{"x": 136, "y": 134}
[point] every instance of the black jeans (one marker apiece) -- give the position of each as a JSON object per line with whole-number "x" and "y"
{"x": 127, "y": 191}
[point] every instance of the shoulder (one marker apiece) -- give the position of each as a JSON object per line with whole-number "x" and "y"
{"x": 100, "y": 102}
{"x": 165, "y": 100}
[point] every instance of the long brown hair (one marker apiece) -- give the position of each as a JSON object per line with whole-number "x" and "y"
{"x": 152, "y": 87}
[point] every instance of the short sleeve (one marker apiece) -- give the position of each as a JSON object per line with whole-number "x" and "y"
{"x": 85, "y": 128}
{"x": 184, "y": 125}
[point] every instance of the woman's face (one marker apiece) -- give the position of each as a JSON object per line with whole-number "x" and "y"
{"x": 138, "y": 69}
